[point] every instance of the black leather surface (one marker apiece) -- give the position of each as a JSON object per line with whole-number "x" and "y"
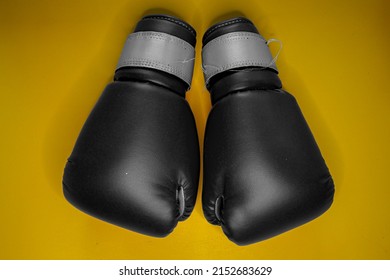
{"x": 138, "y": 147}
{"x": 248, "y": 79}
{"x": 262, "y": 159}
{"x": 263, "y": 171}
{"x": 238, "y": 24}
{"x": 154, "y": 76}
{"x": 169, "y": 25}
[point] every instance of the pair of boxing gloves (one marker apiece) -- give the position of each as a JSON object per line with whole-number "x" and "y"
{"x": 136, "y": 161}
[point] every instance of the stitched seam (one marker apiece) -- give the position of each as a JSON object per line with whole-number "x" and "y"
{"x": 234, "y": 37}
{"x": 175, "y": 21}
{"x": 261, "y": 63}
{"x": 161, "y": 37}
{"x": 224, "y": 24}
{"x": 127, "y": 60}
{"x": 146, "y": 62}
{"x": 227, "y": 40}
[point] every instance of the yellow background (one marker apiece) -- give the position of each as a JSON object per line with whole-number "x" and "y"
{"x": 57, "y": 56}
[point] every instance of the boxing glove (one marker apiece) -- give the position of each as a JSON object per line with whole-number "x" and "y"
{"x": 136, "y": 161}
{"x": 263, "y": 171}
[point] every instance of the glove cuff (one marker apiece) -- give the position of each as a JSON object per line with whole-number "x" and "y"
{"x": 163, "y": 49}
{"x": 235, "y": 50}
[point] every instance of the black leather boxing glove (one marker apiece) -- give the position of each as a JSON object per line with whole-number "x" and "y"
{"x": 136, "y": 161}
{"x": 263, "y": 171}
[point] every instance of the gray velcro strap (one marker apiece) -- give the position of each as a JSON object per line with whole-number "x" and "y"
{"x": 235, "y": 50}
{"x": 159, "y": 51}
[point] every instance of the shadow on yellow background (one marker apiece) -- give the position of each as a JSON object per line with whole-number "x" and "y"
{"x": 56, "y": 59}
